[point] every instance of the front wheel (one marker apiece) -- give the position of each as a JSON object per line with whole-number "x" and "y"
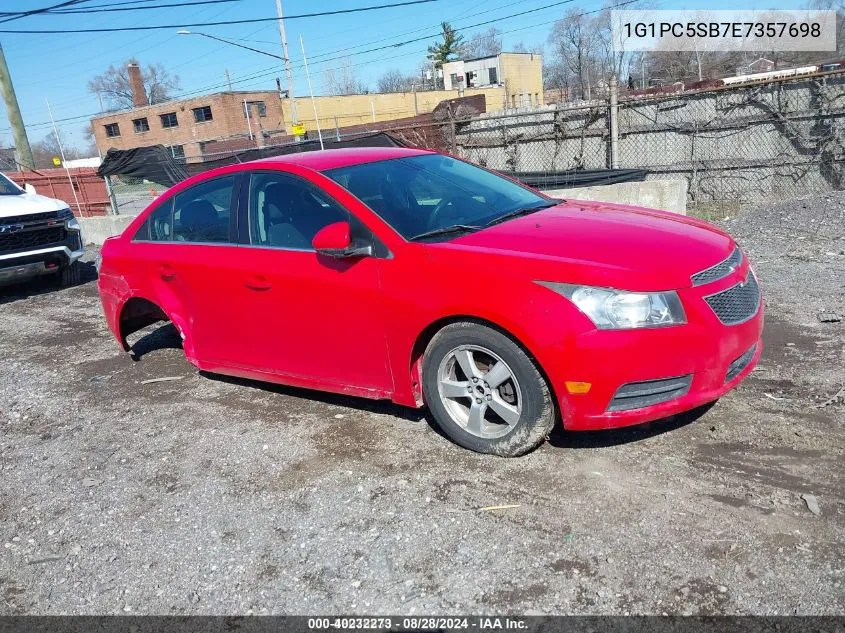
{"x": 485, "y": 392}
{"x": 70, "y": 275}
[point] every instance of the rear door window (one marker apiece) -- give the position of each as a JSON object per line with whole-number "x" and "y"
{"x": 202, "y": 214}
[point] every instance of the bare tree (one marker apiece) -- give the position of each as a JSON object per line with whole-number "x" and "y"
{"x": 556, "y": 80}
{"x": 396, "y": 81}
{"x": 483, "y": 44}
{"x": 44, "y": 150}
{"x": 114, "y": 88}
{"x": 573, "y": 40}
{"x": 343, "y": 80}
{"x": 522, "y": 47}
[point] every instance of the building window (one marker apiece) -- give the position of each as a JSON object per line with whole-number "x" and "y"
{"x": 169, "y": 120}
{"x": 112, "y": 130}
{"x": 256, "y": 106}
{"x": 178, "y": 152}
{"x": 492, "y": 76}
{"x": 140, "y": 125}
{"x": 202, "y": 114}
{"x": 453, "y": 78}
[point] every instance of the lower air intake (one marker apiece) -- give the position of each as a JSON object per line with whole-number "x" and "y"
{"x": 636, "y": 395}
{"x": 736, "y": 367}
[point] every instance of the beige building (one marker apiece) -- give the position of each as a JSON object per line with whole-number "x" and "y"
{"x": 344, "y": 110}
{"x": 519, "y": 75}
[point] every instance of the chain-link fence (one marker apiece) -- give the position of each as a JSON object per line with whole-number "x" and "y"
{"x": 732, "y": 145}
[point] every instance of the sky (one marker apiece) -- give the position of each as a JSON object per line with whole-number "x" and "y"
{"x": 57, "y": 67}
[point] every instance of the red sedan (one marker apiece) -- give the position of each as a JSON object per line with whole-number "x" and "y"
{"x": 408, "y": 275}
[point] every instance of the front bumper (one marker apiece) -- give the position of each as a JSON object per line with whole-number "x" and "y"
{"x": 704, "y": 357}
{"x": 22, "y": 266}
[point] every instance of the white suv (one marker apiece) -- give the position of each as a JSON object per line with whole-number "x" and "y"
{"x": 38, "y": 236}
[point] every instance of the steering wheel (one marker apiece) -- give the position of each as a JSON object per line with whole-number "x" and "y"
{"x": 440, "y": 208}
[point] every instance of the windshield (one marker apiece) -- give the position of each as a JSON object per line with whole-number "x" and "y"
{"x": 427, "y": 193}
{"x": 8, "y": 188}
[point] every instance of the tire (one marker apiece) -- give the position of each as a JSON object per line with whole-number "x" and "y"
{"x": 472, "y": 419}
{"x": 70, "y": 275}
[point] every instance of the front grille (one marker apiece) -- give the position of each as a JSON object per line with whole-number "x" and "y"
{"x": 32, "y": 239}
{"x": 738, "y": 303}
{"x": 636, "y": 395}
{"x": 32, "y": 217}
{"x": 736, "y": 367}
{"x": 719, "y": 271}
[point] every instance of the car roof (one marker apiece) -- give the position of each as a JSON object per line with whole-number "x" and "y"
{"x": 332, "y": 158}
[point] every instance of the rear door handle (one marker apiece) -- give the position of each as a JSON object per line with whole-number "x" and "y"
{"x": 167, "y": 272}
{"x": 258, "y": 283}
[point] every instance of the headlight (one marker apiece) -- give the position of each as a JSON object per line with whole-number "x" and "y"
{"x": 611, "y": 309}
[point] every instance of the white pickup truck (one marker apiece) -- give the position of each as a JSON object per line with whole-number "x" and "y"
{"x": 38, "y": 236}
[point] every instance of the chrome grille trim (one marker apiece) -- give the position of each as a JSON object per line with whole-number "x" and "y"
{"x": 718, "y": 271}
{"x": 737, "y": 304}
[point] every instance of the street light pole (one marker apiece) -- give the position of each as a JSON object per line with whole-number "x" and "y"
{"x": 288, "y": 72}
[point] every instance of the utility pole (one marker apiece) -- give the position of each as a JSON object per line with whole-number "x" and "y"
{"x": 228, "y": 80}
{"x": 288, "y": 72}
{"x": 22, "y": 148}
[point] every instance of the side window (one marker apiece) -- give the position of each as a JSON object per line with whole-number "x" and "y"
{"x": 201, "y": 214}
{"x": 159, "y": 226}
{"x": 287, "y": 212}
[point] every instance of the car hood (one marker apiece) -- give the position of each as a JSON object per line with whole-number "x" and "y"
{"x": 28, "y": 203}
{"x": 613, "y": 245}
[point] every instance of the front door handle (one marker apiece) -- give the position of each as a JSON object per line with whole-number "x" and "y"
{"x": 258, "y": 283}
{"x": 167, "y": 272}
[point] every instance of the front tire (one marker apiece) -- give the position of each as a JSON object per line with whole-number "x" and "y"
{"x": 485, "y": 392}
{"x": 70, "y": 275}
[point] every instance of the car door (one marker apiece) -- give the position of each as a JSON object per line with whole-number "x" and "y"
{"x": 180, "y": 249}
{"x": 306, "y": 316}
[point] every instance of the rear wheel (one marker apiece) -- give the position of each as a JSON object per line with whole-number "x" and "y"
{"x": 485, "y": 392}
{"x": 70, "y": 275}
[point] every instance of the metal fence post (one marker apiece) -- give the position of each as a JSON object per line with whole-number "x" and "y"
{"x": 112, "y": 199}
{"x": 614, "y": 123}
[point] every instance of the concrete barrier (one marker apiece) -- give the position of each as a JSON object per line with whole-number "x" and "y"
{"x": 668, "y": 195}
{"x": 96, "y": 230}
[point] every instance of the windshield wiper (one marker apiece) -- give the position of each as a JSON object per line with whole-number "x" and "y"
{"x": 446, "y": 230}
{"x": 518, "y": 212}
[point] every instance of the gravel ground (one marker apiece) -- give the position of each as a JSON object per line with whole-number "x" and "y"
{"x": 211, "y": 495}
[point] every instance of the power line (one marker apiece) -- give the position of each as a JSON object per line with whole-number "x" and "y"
{"x": 226, "y": 23}
{"x": 24, "y": 14}
{"x": 100, "y": 9}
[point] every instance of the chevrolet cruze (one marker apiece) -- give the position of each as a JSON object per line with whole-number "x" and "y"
{"x": 404, "y": 274}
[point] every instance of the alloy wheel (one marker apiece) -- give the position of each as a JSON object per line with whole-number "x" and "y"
{"x": 479, "y": 391}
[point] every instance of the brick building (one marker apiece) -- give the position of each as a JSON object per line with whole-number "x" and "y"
{"x": 190, "y": 127}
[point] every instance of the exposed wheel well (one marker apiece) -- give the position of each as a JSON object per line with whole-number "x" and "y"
{"x": 138, "y": 313}
{"x": 431, "y": 330}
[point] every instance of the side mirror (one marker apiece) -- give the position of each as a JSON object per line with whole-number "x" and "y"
{"x": 335, "y": 240}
